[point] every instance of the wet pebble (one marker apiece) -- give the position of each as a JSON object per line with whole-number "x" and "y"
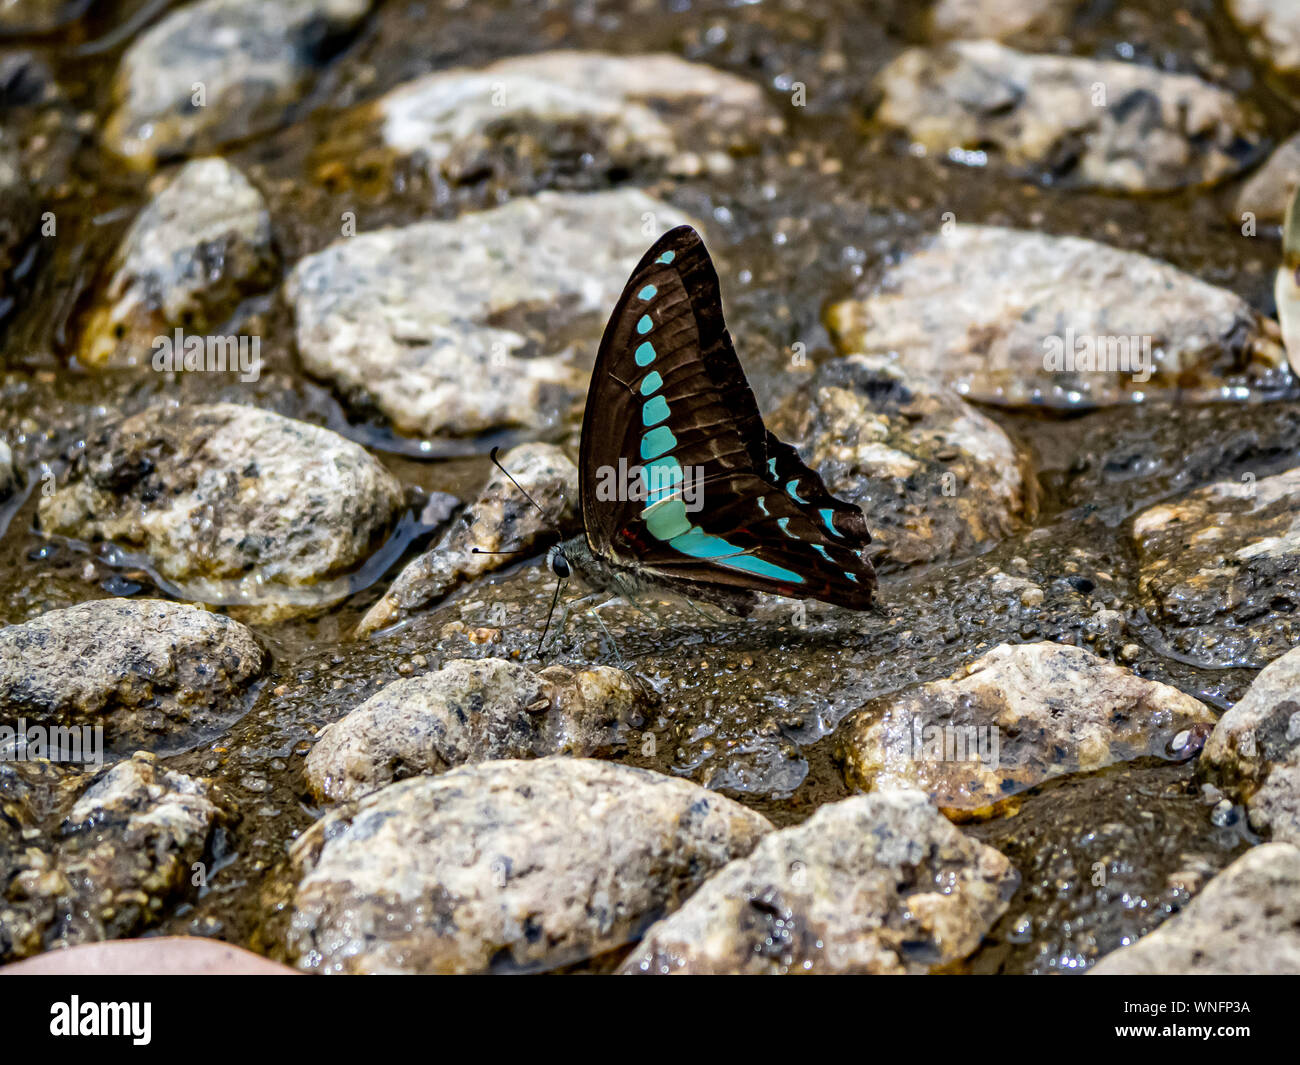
{"x": 1022, "y": 319}
{"x": 1272, "y": 28}
{"x": 1010, "y": 720}
{"x": 505, "y": 866}
{"x": 199, "y": 247}
{"x": 218, "y": 71}
{"x": 231, "y": 505}
{"x": 481, "y": 323}
{"x": 935, "y": 477}
{"x": 474, "y": 711}
{"x": 1079, "y": 122}
{"x": 500, "y": 519}
{"x": 154, "y": 674}
{"x": 872, "y": 884}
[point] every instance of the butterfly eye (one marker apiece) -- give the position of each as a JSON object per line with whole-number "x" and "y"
{"x": 560, "y": 565}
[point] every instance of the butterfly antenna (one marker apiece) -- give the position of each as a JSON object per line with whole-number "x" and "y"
{"x": 554, "y": 599}
{"x": 493, "y": 456}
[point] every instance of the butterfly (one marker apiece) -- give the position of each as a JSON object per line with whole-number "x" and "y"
{"x": 706, "y": 503}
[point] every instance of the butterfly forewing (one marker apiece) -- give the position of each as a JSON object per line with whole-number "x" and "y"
{"x": 720, "y": 500}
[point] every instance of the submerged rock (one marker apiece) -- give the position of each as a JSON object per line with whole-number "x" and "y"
{"x": 505, "y": 866}
{"x": 1269, "y": 190}
{"x": 560, "y": 119}
{"x": 1001, "y": 19}
{"x": 1255, "y": 749}
{"x": 190, "y": 256}
{"x": 935, "y": 477}
{"x": 473, "y": 710}
{"x": 129, "y": 848}
{"x": 1222, "y": 567}
{"x": 1082, "y": 123}
{"x": 1013, "y": 718}
{"x": 231, "y": 505}
{"x": 489, "y": 321}
{"x": 873, "y": 884}
{"x": 218, "y": 71}
{"x": 154, "y": 674}
{"x": 501, "y": 519}
{"x": 1273, "y": 30}
{"x": 1021, "y": 319}
{"x": 1246, "y": 920}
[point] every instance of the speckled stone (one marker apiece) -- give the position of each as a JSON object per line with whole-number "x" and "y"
{"x": 1001, "y": 20}
{"x": 505, "y": 866}
{"x": 986, "y": 309}
{"x": 127, "y": 849}
{"x": 154, "y": 674}
{"x": 1225, "y": 561}
{"x": 486, "y": 322}
{"x": 253, "y": 59}
{"x": 1255, "y": 749}
{"x": 935, "y": 477}
{"x": 1153, "y": 130}
{"x": 616, "y": 113}
{"x": 231, "y": 505}
{"x": 473, "y": 710}
{"x": 1246, "y": 920}
{"x": 1270, "y": 188}
{"x": 1273, "y": 30}
{"x": 1014, "y": 718}
{"x": 873, "y": 884}
{"x": 500, "y": 519}
{"x": 197, "y": 249}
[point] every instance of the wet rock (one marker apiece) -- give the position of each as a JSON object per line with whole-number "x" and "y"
{"x": 201, "y": 245}
{"x": 1246, "y": 920}
{"x": 873, "y": 884}
{"x": 231, "y": 505}
{"x": 1273, "y": 30}
{"x": 218, "y": 71}
{"x": 1269, "y": 190}
{"x": 935, "y": 477}
{"x": 501, "y": 519}
{"x": 1221, "y": 566}
{"x": 561, "y": 119}
{"x": 505, "y": 866}
{"x": 1001, "y": 19}
{"x": 17, "y": 213}
{"x": 1255, "y": 749}
{"x": 485, "y": 322}
{"x": 154, "y": 674}
{"x": 473, "y": 710}
{"x": 129, "y": 848}
{"x": 1020, "y": 319}
{"x": 1012, "y": 719}
{"x": 24, "y": 79}
{"x": 9, "y": 479}
{"x": 1081, "y": 123}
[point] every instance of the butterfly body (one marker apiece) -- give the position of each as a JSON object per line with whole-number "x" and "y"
{"x": 715, "y": 508}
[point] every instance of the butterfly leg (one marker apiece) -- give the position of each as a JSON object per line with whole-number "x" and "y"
{"x": 595, "y": 613}
{"x": 704, "y": 613}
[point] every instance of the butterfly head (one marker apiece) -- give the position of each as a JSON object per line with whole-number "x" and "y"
{"x": 559, "y": 562}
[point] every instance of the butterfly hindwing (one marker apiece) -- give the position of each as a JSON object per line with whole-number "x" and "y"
{"x": 668, "y": 395}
